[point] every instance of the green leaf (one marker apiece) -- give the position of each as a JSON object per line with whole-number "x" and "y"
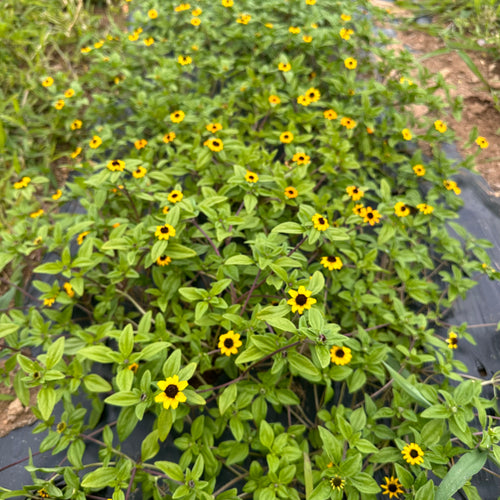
{"x": 250, "y": 354}
{"x": 95, "y": 383}
{"x": 386, "y": 233}
{"x": 126, "y": 341}
{"x": 406, "y": 386}
{"x": 385, "y": 190}
{"x": 193, "y": 294}
{"x": 220, "y": 286}
{"x": 99, "y": 478}
{"x": 303, "y": 366}
{"x": 171, "y": 469}
{"x": 405, "y": 476}
{"x": 266, "y": 434}
{"x": 308, "y": 477}
{"x": 99, "y": 353}
{"x": 176, "y": 251}
{"x": 150, "y": 446}
{"x": 426, "y": 492}
{"x": 187, "y": 372}
{"x": 316, "y": 320}
{"x": 227, "y": 398}
{"x": 7, "y": 329}
{"x": 332, "y": 445}
{"x": 165, "y": 421}
{"x": 316, "y": 283}
{"x": 194, "y": 398}
{"x": 288, "y": 228}
{"x": 468, "y": 465}
{"x": 436, "y": 411}
{"x": 153, "y": 350}
{"x": 238, "y": 453}
{"x": 55, "y": 353}
{"x": 239, "y": 260}
{"x": 364, "y": 483}
{"x": 124, "y": 398}
{"x": 46, "y": 400}
{"x": 322, "y": 491}
{"x": 281, "y": 323}
{"x": 49, "y": 268}
{"x": 116, "y": 244}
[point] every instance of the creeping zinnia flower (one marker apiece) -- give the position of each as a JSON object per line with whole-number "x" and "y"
{"x": 413, "y": 454}
{"x": 358, "y": 209}
{"x": 425, "y": 209}
{"x": 345, "y": 17}
{"x": 274, "y": 99}
{"x": 139, "y": 172}
{"x": 133, "y": 367}
{"x": 214, "y": 127}
{"x": 48, "y": 302}
{"x": 313, "y": 94}
{"x": 340, "y": 355}
{"x": 392, "y": 487}
{"x": 175, "y": 196}
{"x": 76, "y": 152}
{"x": 59, "y": 104}
{"x": 38, "y": 213}
{"x": 227, "y": 3}
{"x": 401, "y": 209}
{"x": 184, "y": 60}
{"x": 141, "y": 143}
{"x": 286, "y": 137}
{"x": 195, "y": 21}
{"x": 76, "y": 124}
{"x": 149, "y": 41}
{"x": 337, "y": 483}
{"x": 284, "y": 67}
{"x": 347, "y": 122}
{"x": 406, "y": 134}
{"x": 301, "y": 299}
{"x": 332, "y": 262}
{"x": 452, "y": 186}
{"x": 22, "y": 183}
{"x": 116, "y": 165}
{"x": 214, "y": 144}
{"x": 452, "y": 340}
{"x": 320, "y": 222}
{"x": 244, "y": 18}
{"x": 291, "y": 192}
{"x": 133, "y": 37}
{"x": 251, "y": 176}
{"x": 419, "y": 170}
{"x": 304, "y": 100}
{"x": 95, "y": 142}
{"x": 57, "y": 195}
{"x": 85, "y": 50}
{"x": 196, "y": 12}
{"x": 294, "y": 30}
{"x": 354, "y": 192}
{"x": 307, "y": 38}
{"x": 163, "y": 260}
{"x": 169, "y": 137}
{"x": 171, "y": 394}
{"x": 69, "y": 289}
{"x": 330, "y": 114}
{"x": 370, "y": 215}
{"x": 177, "y": 116}
{"x": 440, "y": 126}
{"x": 310, "y": 2}
{"x": 48, "y": 81}
{"x": 165, "y": 232}
{"x": 301, "y": 158}
{"x": 350, "y": 63}
{"x": 229, "y": 343}
{"x": 152, "y": 14}
{"x": 482, "y": 142}
{"x": 81, "y": 237}
{"x": 345, "y": 33}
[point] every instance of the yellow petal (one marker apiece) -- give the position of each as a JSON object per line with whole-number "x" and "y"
{"x": 162, "y": 384}
{"x": 180, "y": 396}
{"x": 182, "y": 385}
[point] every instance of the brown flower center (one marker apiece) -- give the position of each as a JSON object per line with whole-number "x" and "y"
{"x": 339, "y": 353}
{"x": 337, "y": 482}
{"x": 413, "y": 453}
{"x": 115, "y": 163}
{"x": 331, "y": 258}
{"x": 163, "y": 257}
{"x": 301, "y": 299}
{"x": 453, "y": 341}
{"x": 251, "y": 177}
{"x": 370, "y": 215}
{"x": 164, "y": 230}
{"x": 392, "y": 487}
{"x": 321, "y": 220}
{"x": 171, "y": 391}
{"x": 355, "y": 191}
{"x": 216, "y": 144}
{"x": 228, "y": 343}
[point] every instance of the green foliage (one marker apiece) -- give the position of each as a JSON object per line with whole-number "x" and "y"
{"x": 260, "y": 262}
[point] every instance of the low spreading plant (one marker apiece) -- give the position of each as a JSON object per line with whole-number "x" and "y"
{"x": 251, "y": 258}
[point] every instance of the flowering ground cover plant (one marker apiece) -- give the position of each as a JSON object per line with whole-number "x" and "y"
{"x": 262, "y": 265}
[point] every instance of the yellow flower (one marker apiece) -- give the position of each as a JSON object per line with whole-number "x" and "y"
{"x": 43, "y": 492}
{"x": 406, "y": 134}
{"x": 440, "y": 126}
{"x": 165, "y": 210}
{"x": 345, "y": 33}
{"x": 269, "y": 25}
{"x": 182, "y": 6}
{"x": 452, "y": 186}
{"x": 244, "y": 18}
{"x": 403, "y": 79}
{"x": 340, "y": 355}
{"x": 291, "y": 192}
{"x": 425, "y": 209}
{"x": 301, "y": 158}
{"x": 301, "y": 299}
{"x": 229, "y": 343}
{"x": 133, "y": 37}
{"x": 141, "y": 143}
{"x": 95, "y": 142}
{"x": 227, "y": 3}
{"x": 139, "y": 172}
{"x": 330, "y": 114}
{"x": 251, "y": 176}
{"x": 177, "y": 116}
{"x": 165, "y": 232}
{"x": 274, "y": 99}
{"x": 116, "y": 165}
{"x": 171, "y": 394}
{"x": 76, "y": 152}
{"x": 149, "y": 41}
{"x": 133, "y": 367}
{"x": 345, "y": 17}
{"x": 163, "y": 260}
{"x": 304, "y": 100}
{"x": 452, "y": 340}
{"x": 184, "y": 60}
{"x": 69, "y": 93}
{"x": 152, "y": 14}
{"x": 22, "y": 183}
{"x": 38, "y": 240}
{"x": 332, "y": 262}
{"x": 48, "y": 81}
{"x": 419, "y": 170}
{"x": 313, "y": 94}
{"x": 320, "y": 222}
{"x": 294, "y": 30}
{"x": 369, "y": 130}
{"x": 413, "y": 454}
{"x": 482, "y": 142}
{"x": 48, "y": 302}
{"x": 284, "y": 67}
{"x": 401, "y": 209}
{"x": 81, "y": 237}
{"x": 38, "y": 213}
{"x": 358, "y": 209}
{"x": 99, "y": 44}
{"x": 214, "y": 144}
{"x": 337, "y": 483}
{"x": 59, "y": 104}
{"x": 310, "y": 2}
{"x": 370, "y": 216}
{"x": 214, "y": 127}
{"x": 57, "y": 195}
{"x": 196, "y": 12}
{"x": 286, "y": 137}
{"x": 354, "y": 192}
{"x": 175, "y": 196}
{"x": 392, "y": 487}
{"x": 350, "y": 63}
{"x": 85, "y": 50}
{"x": 347, "y": 122}
{"x": 69, "y": 290}
{"x": 307, "y": 38}
{"x": 195, "y": 21}
{"x": 169, "y": 137}
{"x": 76, "y": 124}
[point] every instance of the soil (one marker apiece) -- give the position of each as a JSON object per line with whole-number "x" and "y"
{"x": 478, "y": 104}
